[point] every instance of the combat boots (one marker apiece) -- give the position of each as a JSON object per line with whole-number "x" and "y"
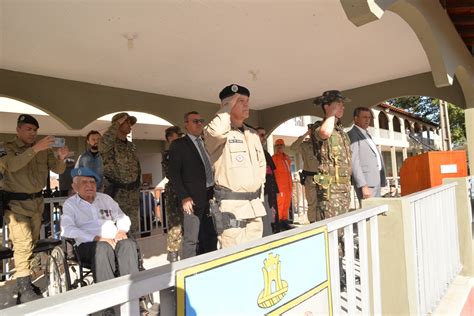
{"x": 26, "y": 292}
{"x": 172, "y": 256}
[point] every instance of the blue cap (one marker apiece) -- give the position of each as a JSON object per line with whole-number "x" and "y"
{"x": 84, "y": 172}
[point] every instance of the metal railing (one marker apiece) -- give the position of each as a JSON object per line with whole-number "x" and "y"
{"x": 126, "y": 291}
{"x": 436, "y": 251}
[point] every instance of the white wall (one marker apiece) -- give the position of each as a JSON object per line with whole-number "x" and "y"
{"x": 151, "y": 163}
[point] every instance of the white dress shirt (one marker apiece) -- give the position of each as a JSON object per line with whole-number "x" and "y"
{"x": 83, "y": 221}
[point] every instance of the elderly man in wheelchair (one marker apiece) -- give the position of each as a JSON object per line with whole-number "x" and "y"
{"x": 99, "y": 227}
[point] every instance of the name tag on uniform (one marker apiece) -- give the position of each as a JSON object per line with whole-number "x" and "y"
{"x": 233, "y": 141}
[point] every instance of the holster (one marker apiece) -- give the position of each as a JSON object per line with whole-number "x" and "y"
{"x": 223, "y": 220}
{"x": 302, "y": 177}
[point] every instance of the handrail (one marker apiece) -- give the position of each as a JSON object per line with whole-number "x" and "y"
{"x": 127, "y": 289}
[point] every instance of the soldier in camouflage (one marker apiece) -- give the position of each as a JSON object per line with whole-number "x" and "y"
{"x": 331, "y": 146}
{"x": 173, "y": 213}
{"x": 122, "y": 167}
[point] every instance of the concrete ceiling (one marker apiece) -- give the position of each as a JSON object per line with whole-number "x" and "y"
{"x": 284, "y": 51}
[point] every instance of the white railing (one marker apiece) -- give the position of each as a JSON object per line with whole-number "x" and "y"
{"x": 363, "y": 218}
{"x": 384, "y": 133}
{"x": 146, "y": 211}
{"x": 434, "y": 216}
{"x": 399, "y": 136}
{"x": 125, "y": 291}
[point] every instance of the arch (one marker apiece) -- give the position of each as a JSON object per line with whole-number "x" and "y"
{"x": 408, "y": 126}
{"x": 396, "y": 124}
{"x": 383, "y": 120}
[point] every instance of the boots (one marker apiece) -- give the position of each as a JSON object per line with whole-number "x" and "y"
{"x": 172, "y": 256}
{"x": 26, "y": 292}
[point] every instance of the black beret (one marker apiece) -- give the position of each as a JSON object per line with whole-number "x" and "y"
{"x": 27, "y": 119}
{"x": 330, "y": 96}
{"x": 233, "y": 89}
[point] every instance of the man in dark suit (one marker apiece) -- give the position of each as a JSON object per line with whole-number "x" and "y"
{"x": 368, "y": 171}
{"x": 192, "y": 179}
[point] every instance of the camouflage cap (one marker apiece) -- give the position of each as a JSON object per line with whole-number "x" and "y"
{"x": 131, "y": 119}
{"x": 330, "y": 96}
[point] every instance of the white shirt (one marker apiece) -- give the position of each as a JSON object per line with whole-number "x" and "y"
{"x": 83, "y": 221}
{"x": 372, "y": 145}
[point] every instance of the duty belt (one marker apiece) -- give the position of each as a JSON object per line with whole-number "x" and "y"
{"x": 221, "y": 194}
{"x": 17, "y": 196}
{"x": 326, "y": 180}
{"x": 309, "y": 173}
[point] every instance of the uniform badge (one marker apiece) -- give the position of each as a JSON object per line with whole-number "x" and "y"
{"x": 79, "y": 172}
{"x": 239, "y": 158}
{"x": 22, "y": 118}
{"x": 234, "y": 88}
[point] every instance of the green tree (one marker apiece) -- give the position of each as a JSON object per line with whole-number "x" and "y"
{"x": 427, "y": 109}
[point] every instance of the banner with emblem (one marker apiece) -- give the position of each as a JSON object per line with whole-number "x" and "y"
{"x": 285, "y": 276}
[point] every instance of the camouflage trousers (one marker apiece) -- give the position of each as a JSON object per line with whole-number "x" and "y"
{"x": 129, "y": 202}
{"x": 333, "y": 201}
{"x": 174, "y": 216}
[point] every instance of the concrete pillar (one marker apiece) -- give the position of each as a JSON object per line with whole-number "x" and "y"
{"x": 469, "y": 116}
{"x": 376, "y": 122}
{"x": 405, "y": 153}
{"x": 393, "y": 153}
{"x": 390, "y": 126}
{"x": 270, "y": 142}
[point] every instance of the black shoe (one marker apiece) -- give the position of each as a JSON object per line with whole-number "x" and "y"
{"x": 26, "y": 292}
{"x": 36, "y": 289}
{"x": 172, "y": 256}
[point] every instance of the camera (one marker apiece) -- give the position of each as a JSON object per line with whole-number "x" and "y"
{"x": 59, "y": 142}
{"x": 310, "y": 125}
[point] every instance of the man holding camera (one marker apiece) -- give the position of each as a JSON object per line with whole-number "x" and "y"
{"x": 304, "y": 146}
{"x": 26, "y": 165}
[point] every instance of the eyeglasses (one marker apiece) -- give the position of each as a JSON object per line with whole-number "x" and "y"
{"x": 262, "y": 134}
{"x": 197, "y": 121}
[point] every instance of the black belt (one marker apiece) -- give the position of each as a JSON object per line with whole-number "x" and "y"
{"x": 220, "y": 195}
{"x": 309, "y": 173}
{"x": 17, "y": 196}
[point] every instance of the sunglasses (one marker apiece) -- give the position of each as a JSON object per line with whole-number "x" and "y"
{"x": 197, "y": 121}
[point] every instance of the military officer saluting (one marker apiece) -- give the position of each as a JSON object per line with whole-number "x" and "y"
{"x": 304, "y": 146}
{"x": 26, "y": 165}
{"x": 240, "y": 166}
{"x": 332, "y": 149}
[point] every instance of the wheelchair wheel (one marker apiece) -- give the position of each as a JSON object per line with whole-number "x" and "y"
{"x": 57, "y": 272}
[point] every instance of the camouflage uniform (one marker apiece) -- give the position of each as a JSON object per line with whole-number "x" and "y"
{"x": 333, "y": 179}
{"x": 174, "y": 214}
{"x": 121, "y": 173}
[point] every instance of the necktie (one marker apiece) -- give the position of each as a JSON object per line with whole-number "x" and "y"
{"x": 207, "y": 164}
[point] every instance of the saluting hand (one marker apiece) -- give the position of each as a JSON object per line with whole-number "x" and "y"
{"x": 43, "y": 144}
{"x": 63, "y": 152}
{"x": 187, "y": 204}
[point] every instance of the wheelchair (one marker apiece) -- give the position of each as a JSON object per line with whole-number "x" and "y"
{"x": 56, "y": 270}
{"x": 82, "y": 271}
